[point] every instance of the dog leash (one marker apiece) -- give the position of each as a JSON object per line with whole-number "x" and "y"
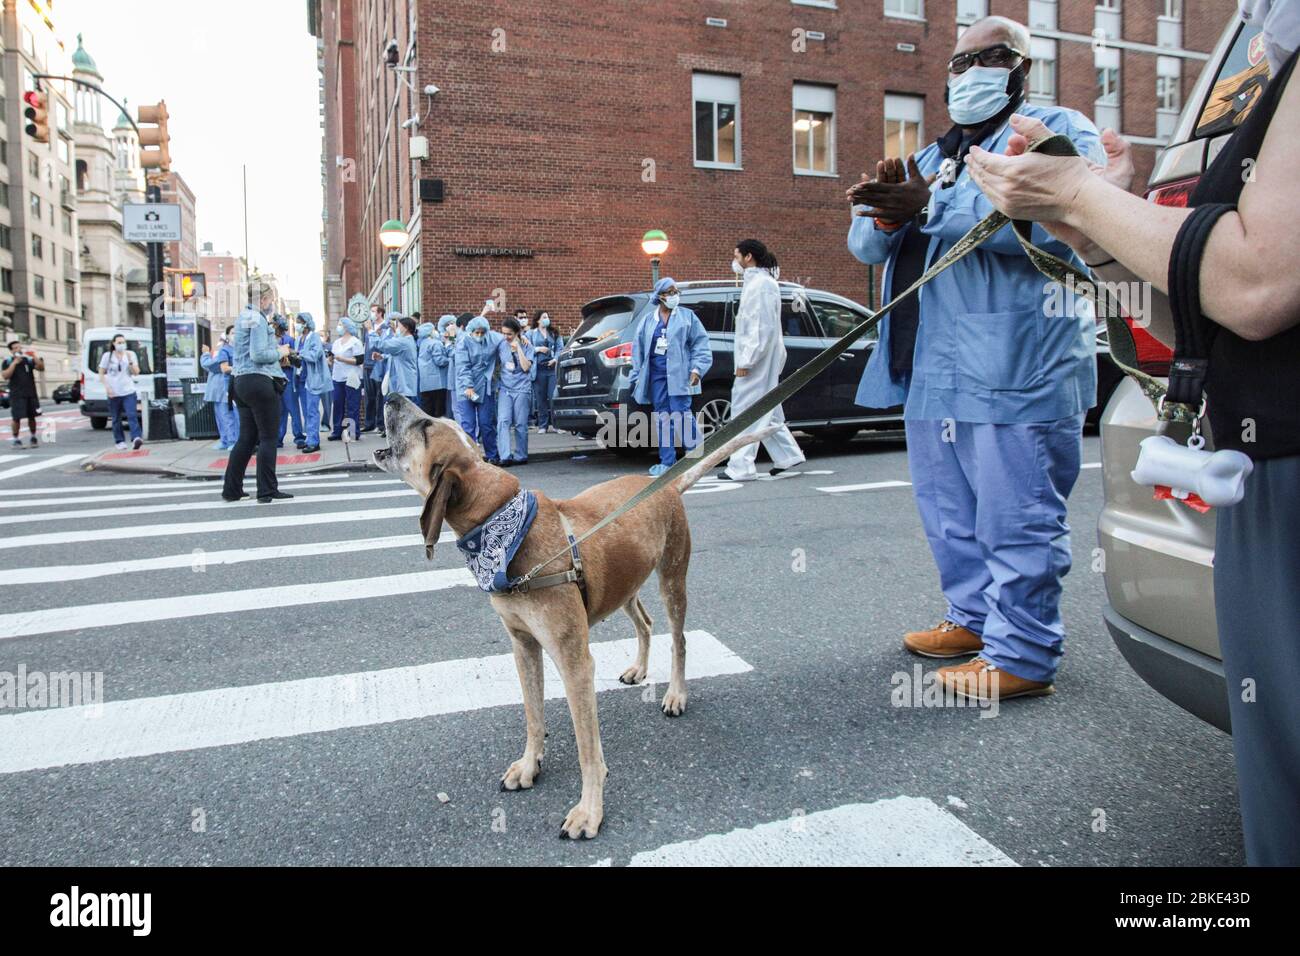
{"x": 1123, "y": 349}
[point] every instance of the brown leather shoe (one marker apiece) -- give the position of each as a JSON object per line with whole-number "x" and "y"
{"x": 979, "y": 680}
{"x": 943, "y": 640}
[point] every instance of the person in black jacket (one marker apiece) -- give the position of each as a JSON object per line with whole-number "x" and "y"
{"x": 1224, "y": 268}
{"x": 19, "y": 371}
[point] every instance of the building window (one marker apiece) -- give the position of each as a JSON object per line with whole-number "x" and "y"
{"x": 1169, "y": 25}
{"x": 40, "y": 326}
{"x": 1173, "y": 10}
{"x": 904, "y": 125}
{"x": 1042, "y": 71}
{"x": 67, "y": 223}
{"x": 1106, "y": 110}
{"x": 6, "y": 280}
{"x": 70, "y": 295}
{"x": 34, "y": 165}
{"x": 38, "y": 247}
{"x": 38, "y": 286}
{"x": 4, "y": 113}
{"x": 4, "y": 195}
{"x": 6, "y": 237}
{"x": 1107, "y": 19}
{"x": 1169, "y": 100}
{"x": 1108, "y": 86}
{"x": 35, "y": 202}
{"x": 70, "y": 330}
{"x": 814, "y": 129}
{"x": 4, "y": 153}
{"x": 911, "y": 9}
{"x": 67, "y": 261}
{"x": 61, "y": 112}
{"x": 1042, "y": 14}
{"x": 717, "y": 120}
{"x": 63, "y": 150}
{"x": 968, "y": 11}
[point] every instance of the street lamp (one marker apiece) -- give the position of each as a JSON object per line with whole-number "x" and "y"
{"x": 654, "y": 243}
{"x": 392, "y": 236}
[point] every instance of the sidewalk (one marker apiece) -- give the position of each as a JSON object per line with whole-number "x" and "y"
{"x": 201, "y": 459}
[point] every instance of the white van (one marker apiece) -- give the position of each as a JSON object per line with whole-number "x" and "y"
{"x": 94, "y": 343}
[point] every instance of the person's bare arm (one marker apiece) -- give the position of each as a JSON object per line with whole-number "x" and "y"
{"x": 1247, "y": 285}
{"x": 8, "y": 373}
{"x": 40, "y": 364}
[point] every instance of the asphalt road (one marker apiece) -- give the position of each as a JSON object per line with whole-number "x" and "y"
{"x": 295, "y": 694}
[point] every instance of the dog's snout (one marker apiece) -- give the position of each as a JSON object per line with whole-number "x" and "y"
{"x": 395, "y": 398}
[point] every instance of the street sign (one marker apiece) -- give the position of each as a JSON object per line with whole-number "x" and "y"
{"x": 357, "y": 308}
{"x": 151, "y": 221}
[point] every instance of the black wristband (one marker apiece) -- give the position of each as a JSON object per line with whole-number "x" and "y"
{"x": 1098, "y": 265}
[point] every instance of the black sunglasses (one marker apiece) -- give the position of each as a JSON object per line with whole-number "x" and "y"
{"x": 998, "y": 55}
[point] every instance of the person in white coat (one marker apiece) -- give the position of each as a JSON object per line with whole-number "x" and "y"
{"x": 759, "y": 359}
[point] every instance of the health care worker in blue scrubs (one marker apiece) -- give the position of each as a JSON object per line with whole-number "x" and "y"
{"x": 400, "y": 352}
{"x": 216, "y": 391}
{"x": 996, "y": 385}
{"x": 515, "y": 392}
{"x": 476, "y": 367}
{"x": 670, "y": 354}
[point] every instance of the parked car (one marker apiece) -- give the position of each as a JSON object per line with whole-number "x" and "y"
{"x": 1159, "y": 555}
{"x": 593, "y": 368}
{"x": 4, "y": 394}
{"x": 94, "y": 343}
{"x": 67, "y": 392}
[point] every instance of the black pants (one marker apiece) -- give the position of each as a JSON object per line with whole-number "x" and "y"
{"x": 258, "y": 404}
{"x": 374, "y": 399}
{"x": 434, "y": 403}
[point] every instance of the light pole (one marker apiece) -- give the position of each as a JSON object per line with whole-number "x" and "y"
{"x": 392, "y": 236}
{"x": 654, "y": 243}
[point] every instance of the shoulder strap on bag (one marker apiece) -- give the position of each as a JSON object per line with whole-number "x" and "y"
{"x": 1194, "y": 333}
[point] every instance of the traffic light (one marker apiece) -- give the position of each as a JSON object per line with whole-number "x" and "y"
{"x": 193, "y": 286}
{"x": 36, "y": 113}
{"x": 159, "y": 158}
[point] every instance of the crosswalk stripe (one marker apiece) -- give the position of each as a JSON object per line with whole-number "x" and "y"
{"x": 156, "y": 483}
{"x": 1091, "y": 464}
{"x": 114, "y": 613}
{"x": 209, "y": 559}
{"x": 711, "y": 487}
{"x": 37, "y": 739}
{"x": 901, "y": 831}
{"x": 133, "y": 532}
{"x": 210, "y": 490}
{"x": 233, "y": 507}
{"x": 869, "y": 486}
{"x": 39, "y": 465}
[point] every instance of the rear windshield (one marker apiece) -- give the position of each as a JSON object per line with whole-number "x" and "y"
{"x": 604, "y": 319}
{"x": 1242, "y": 76}
{"x": 141, "y": 350}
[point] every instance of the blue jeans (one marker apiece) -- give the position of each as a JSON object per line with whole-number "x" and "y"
{"x": 347, "y": 407}
{"x": 227, "y": 422}
{"x": 117, "y": 405}
{"x": 291, "y": 407}
{"x": 992, "y": 503}
{"x": 543, "y": 388}
{"x": 673, "y": 421}
{"x": 477, "y": 418}
{"x": 512, "y": 416}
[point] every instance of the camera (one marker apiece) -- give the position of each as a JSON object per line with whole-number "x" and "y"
{"x": 294, "y": 359}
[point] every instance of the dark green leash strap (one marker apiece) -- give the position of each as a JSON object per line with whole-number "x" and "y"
{"x": 1123, "y": 350}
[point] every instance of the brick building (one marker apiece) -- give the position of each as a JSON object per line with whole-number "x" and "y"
{"x": 560, "y": 133}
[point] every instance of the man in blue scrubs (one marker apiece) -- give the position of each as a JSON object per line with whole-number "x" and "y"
{"x": 996, "y": 385}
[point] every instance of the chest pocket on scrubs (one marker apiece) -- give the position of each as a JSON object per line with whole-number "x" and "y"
{"x": 999, "y": 350}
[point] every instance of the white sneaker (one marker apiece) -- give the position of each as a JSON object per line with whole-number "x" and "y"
{"x": 121, "y": 445}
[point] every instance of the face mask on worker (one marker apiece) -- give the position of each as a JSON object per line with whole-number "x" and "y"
{"x": 978, "y": 94}
{"x": 1279, "y": 23}
{"x": 119, "y": 346}
{"x": 545, "y": 323}
{"x": 339, "y": 330}
{"x": 670, "y": 301}
{"x": 737, "y": 268}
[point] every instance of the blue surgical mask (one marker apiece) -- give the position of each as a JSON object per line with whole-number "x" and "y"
{"x": 671, "y": 301}
{"x": 545, "y": 323}
{"x": 977, "y": 94}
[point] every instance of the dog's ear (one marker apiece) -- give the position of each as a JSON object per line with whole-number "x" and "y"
{"x": 442, "y": 487}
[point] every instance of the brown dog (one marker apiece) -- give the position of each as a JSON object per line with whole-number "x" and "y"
{"x": 436, "y": 458}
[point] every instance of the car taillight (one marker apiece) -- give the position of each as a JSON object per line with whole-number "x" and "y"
{"x": 617, "y": 354}
{"x": 1153, "y": 355}
{"x": 1173, "y": 194}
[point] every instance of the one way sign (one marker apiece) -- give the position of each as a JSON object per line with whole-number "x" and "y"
{"x": 151, "y": 222}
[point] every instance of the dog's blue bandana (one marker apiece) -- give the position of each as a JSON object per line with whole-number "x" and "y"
{"x": 489, "y": 548}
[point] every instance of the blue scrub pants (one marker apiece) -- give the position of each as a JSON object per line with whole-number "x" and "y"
{"x": 512, "y": 416}
{"x": 992, "y": 502}
{"x": 477, "y": 418}
{"x": 543, "y": 388}
{"x": 227, "y": 422}
{"x": 310, "y": 403}
{"x": 673, "y": 420}
{"x": 291, "y": 407}
{"x": 347, "y": 407}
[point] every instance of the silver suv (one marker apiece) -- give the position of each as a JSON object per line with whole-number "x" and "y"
{"x": 1160, "y": 554}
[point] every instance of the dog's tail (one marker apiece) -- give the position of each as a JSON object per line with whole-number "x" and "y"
{"x": 697, "y": 471}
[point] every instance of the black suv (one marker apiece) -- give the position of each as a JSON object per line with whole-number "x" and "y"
{"x": 592, "y": 369}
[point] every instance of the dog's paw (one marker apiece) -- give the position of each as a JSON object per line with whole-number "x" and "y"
{"x": 582, "y": 822}
{"x": 674, "y": 704}
{"x": 521, "y": 775}
{"x": 633, "y": 675}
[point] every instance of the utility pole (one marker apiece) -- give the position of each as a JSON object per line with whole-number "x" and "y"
{"x": 157, "y": 300}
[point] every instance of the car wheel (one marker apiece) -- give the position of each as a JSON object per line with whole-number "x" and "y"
{"x": 713, "y": 414}
{"x": 99, "y": 424}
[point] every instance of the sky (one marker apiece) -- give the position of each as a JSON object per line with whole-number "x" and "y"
{"x": 241, "y": 86}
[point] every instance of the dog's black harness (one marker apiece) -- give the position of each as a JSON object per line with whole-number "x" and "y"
{"x": 573, "y": 576}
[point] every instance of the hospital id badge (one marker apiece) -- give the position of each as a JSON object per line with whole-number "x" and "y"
{"x": 510, "y": 366}
{"x": 661, "y": 345}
